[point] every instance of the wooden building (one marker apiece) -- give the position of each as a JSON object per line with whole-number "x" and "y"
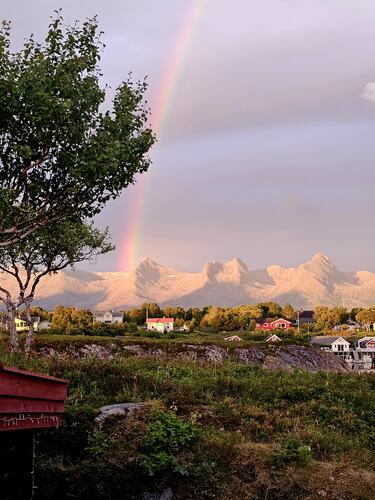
{"x": 28, "y": 402}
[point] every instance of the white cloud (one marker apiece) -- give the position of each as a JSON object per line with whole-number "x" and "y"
{"x": 369, "y": 92}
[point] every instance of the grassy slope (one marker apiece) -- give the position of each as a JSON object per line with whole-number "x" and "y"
{"x": 223, "y": 431}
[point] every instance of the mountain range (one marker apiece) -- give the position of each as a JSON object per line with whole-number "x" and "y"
{"x": 314, "y": 282}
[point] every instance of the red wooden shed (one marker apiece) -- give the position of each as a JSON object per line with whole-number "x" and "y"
{"x": 28, "y": 402}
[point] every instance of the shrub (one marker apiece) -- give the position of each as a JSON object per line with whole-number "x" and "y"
{"x": 168, "y": 435}
{"x": 293, "y": 450}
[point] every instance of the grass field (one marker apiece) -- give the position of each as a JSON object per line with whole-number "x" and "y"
{"x": 207, "y": 430}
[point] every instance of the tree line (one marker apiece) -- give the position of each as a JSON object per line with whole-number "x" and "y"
{"x": 213, "y": 318}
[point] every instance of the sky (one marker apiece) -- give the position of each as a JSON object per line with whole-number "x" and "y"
{"x": 266, "y": 133}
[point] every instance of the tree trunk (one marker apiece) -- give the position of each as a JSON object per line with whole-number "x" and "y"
{"x": 11, "y": 323}
{"x": 30, "y": 324}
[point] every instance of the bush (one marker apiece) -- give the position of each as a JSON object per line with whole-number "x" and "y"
{"x": 96, "y": 329}
{"x": 168, "y": 435}
{"x": 293, "y": 450}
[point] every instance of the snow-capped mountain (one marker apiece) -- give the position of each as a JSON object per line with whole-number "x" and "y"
{"x": 314, "y": 282}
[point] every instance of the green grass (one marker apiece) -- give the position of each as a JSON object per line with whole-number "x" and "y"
{"x": 212, "y": 419}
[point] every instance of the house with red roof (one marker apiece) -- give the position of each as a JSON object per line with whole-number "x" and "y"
{"x": 272, "y": 323}
{"x": 160, "y": 324}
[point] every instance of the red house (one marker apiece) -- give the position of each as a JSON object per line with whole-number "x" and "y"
{"x": 272, "y": 323}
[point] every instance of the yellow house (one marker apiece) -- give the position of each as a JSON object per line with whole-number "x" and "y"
{"x": 21, "y": 325}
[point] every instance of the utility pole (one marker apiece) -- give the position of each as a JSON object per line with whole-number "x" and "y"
{"x": 298, "y": 320}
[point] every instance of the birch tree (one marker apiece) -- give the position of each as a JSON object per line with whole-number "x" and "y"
{"x": 61, "y": 152}
{"x": 44, "y": 253}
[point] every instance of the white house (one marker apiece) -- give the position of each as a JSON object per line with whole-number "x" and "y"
{"x": 108, "y": 317}
{"x": 160, "y": 324}
{"x": 233, "y": 338}
{"x": 366, "y": 344}
{"x": 44, "y": 325}
{"x": 336, "y": 345}
{"x": 21, "y": 325}
{"x": 273, "y": 338}
{"x": 351, "y": 326}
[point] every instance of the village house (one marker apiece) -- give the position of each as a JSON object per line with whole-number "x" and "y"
{"x": 273, "y": 338}
{"x": 233, "y": 338}
{"x": 160, "y": 324}
{"x": 109, "y": 317}
{"x": 366, "y": 344}
{"x": 337, "y": 345}
{"x": 305, "y": 318}
{"x": 44, "y": 325}
{"x": 21, "y": 325}
{"x": 272, "y": 324}
{"x": 351, "y": 326}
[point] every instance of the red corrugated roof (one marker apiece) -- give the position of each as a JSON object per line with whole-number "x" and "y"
{"x": 159, "y": 320}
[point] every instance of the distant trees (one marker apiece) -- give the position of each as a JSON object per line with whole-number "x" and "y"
{"x": 138, "y": 315}
{"x": 232, "y": 318}
{"x": 289, "y": 313}
{"x": 325, "y": 318}
{"x": 270, "y": 309}
{"x": 366, "y": 317}
{"x": 40, "y": 312}
{"x": 68, "y": 318}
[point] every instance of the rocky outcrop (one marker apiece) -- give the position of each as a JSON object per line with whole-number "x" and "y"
{"x": 287, "y": 357}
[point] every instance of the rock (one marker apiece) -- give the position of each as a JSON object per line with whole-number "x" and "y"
{"x": 119, "y": 409}
{"x": 98, "y": 351}
{"x": 166, "y": 494}
{"x": 215, "y": 353}
{"x": 249, "y": 355}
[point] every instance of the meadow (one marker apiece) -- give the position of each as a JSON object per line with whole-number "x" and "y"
{"x": 207, "y": 430}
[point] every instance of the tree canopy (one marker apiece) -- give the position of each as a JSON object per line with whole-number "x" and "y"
{"x": 60, "y": 154}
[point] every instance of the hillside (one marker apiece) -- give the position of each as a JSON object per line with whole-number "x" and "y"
{"x": 317, "y": 281}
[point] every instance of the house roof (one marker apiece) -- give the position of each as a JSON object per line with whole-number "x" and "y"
{"x": 365, "y": 340}
{"x": 261, "y": 321}
{"x": 233, "y": 338}
{"x": 325, "y": 340}
{"x": 102, "y": 313}
{"x": 34, "y": 319}
{"x": 306, "y": 314}
{"x": 160, "y": 320}
{"x": 272, "y": 336}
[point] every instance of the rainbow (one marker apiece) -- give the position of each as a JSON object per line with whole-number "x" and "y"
{"x": 162, "y": 103}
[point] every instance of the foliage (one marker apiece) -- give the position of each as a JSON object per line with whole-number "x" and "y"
{"x": 326, "y": 318}
{"x": 40, "y": 312}
{"x": 168, "y": 435}
{"x": 40, "y": 254}
{"x": 150, "y": 309}
{"x": 270, "y": 310}
{"x": 68, "y": 318}
{"x": 289, "y": 312}
{"x": 230, "y": 318}
{"x": 366, "y": 317}
{"x": 226, "y": 417}
{"x": 95, "y": 329}
{"x": 61, "y": 156}
{"x": 293, "y": 450}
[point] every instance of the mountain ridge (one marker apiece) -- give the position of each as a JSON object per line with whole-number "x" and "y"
{"x": 316, "y": 281}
